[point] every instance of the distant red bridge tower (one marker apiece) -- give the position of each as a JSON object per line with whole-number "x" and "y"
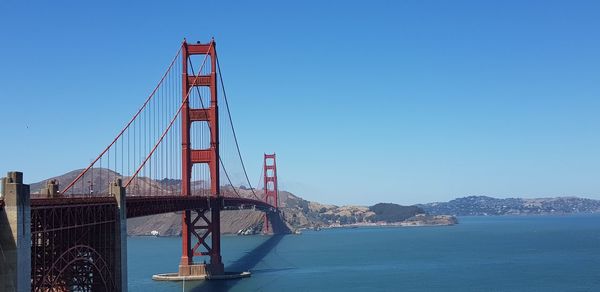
{"x": 270, "y": 187}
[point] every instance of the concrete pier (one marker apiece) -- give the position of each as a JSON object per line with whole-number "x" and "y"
{"x": 51, "y": 189}
{"x": 117, "y": 190}
{"x": 15, "y": 234}
{"x": 214, "y": 270}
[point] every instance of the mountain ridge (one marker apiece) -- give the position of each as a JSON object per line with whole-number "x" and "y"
{"x": 490, "y": 206}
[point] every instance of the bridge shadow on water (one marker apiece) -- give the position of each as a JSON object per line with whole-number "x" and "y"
{"x": 245, "y": 263}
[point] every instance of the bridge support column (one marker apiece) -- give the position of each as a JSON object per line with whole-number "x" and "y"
{"x": 15, "y": 234}
{"x": 117, "y": 190}
{"x": 216, "y": 262}
{"x": 205, "y": 222}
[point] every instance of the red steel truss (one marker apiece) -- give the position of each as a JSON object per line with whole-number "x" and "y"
{"x": 74, "y": 239}
{"x": 73, "y": 246}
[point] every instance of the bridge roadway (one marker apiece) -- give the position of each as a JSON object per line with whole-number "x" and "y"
{"x": 81, "y": 241}
{"x": 138, "y": 206}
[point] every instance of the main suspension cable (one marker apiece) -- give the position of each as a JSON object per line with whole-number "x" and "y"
{"x": 210, "y": 131}
{"x": 232, "y": 128}
{"x": 170, "y": 124}
{"x": 128, "y": 124}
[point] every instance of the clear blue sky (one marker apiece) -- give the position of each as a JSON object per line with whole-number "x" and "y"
{"x": 363, "y": 101}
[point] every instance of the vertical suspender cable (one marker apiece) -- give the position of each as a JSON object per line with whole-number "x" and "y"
{"x": 232, "y": 128}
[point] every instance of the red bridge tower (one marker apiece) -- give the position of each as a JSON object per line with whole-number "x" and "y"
{"x": 270, "y": 187}
{"x": 199, "y": 224}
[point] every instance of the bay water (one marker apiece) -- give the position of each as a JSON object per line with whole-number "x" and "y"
{"x": 524, "y": 253}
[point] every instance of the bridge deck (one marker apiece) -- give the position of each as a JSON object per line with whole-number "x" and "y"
{"x": 138, "y": 206}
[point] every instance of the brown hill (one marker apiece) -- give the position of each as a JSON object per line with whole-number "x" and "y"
{"x": 297, "y": 212}
{"x": 96, "y": 182}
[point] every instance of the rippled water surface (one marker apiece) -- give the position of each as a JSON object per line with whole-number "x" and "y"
{"x": 546, "y": 253}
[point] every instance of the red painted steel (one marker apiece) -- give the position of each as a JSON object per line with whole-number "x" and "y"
{"x": 73, "y": 238}
{"x": 73, "y": 245}
{"x": 65, "y": 190}
{"x": 270, "y": 187}
{"x": 209, "y": 156}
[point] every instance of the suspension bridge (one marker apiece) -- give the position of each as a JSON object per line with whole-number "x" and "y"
{"x": 176, "y": 154}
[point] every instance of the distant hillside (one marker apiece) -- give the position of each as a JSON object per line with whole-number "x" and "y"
{"x": 299, "y": 213}
{"x": 482, "y": 205}
{"x": 96, "y": 181}
{"x": 303, "y": 213}
{"x": 394, "y": 213}
{"x": 166, "y": 224}
{"x": 99, "y": 183}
